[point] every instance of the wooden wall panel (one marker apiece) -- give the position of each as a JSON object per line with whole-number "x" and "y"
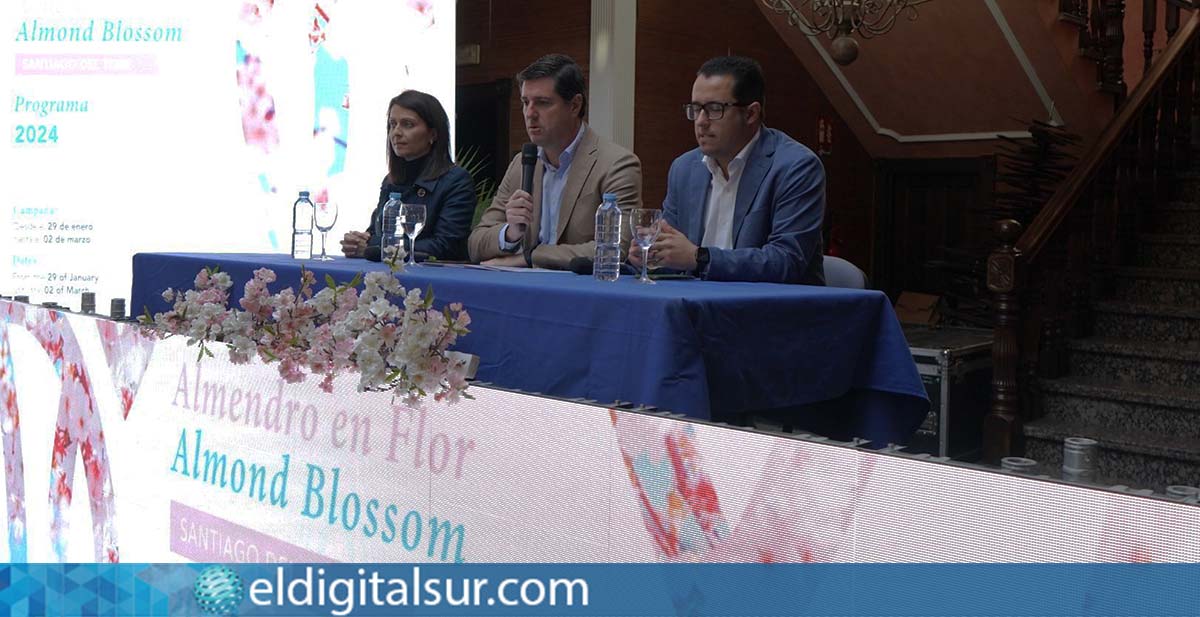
{"x": 510, "y": 35}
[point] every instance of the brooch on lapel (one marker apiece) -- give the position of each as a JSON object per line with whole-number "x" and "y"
{"x": 420, "y": 192}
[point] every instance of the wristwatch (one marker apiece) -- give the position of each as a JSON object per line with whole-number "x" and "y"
{"x": 701, "y": 262}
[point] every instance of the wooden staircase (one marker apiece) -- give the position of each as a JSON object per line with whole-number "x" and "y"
{"x": 1097, "y": 301}
{"x": 1134, "y": 385}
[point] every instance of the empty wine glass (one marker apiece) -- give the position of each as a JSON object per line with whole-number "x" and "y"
{"x": 645, "y": 224}
{"x": 324, "y": 219}
{"x": 412, "y": 218}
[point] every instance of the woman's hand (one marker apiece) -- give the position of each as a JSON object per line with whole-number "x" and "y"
{"x": 354, "y": 243}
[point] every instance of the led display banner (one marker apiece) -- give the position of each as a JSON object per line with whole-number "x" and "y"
{"x": 141, "y": 126}
{"x": 118, "y": 446}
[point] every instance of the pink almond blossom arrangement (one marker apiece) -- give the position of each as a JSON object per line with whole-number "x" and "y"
{"x": 399, "y": 347}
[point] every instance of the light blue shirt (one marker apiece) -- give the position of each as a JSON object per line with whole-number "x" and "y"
{"x": 554, "y": 180}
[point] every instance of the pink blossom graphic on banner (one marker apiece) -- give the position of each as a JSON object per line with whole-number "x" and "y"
{"x": 14, "y": 461}
{"x": 260, "y": 130}
{"x": 802, "y": 508}
{"x": 253, "y": 11}
{"x": 258, "y": 106}
{"x": 320, "y": 21}
{"x": 77, "y": 431}
{"x": 1128, "y": 538}
{"x": 127, "y": 350}
{"x": 424, "y": 8}
{"x": 679, "y": 504}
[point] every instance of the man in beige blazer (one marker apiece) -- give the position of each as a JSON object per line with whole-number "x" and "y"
{"x": 575, "y": 168}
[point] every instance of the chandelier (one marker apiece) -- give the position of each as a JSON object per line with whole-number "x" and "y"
{"x": 841, "y": 18}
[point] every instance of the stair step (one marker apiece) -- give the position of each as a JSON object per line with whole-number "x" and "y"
{"x": 1188, "y": 177}
{"x": 1159, "y": 409}
{"x": 1150, "y": 322}
{"x": 1169, "y": 250}
{"x": 1168, "y": 221}
{"x": 1126, "y": 361}
{"x": 1176, "y": 217}
{"x": 1175, "y": 286}
{"x": 1145, "y": 458}
{"x": 1188, "y": 187}
{"x": 1181, "y": 206}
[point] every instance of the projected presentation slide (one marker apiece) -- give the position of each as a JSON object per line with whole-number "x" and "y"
{"x": 119, "y": 446}
{"x": 191, "y": 126}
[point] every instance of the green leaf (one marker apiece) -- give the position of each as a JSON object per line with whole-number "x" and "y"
{"x": 428, "y": 296}
{"x": 472, "y": 160}
{"x": 356, "y": 281}
{"x": 329, "y": 282}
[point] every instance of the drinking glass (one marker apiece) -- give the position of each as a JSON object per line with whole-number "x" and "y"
{"x": 645, "y": 223}
{"x": 325, "y": 217}
{"x": 412, "y": 218}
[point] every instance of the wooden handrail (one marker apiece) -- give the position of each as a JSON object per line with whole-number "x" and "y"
{"x": 1055, "y": 211}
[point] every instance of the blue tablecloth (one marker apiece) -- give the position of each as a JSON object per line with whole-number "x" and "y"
{"x": 836, "y": 359}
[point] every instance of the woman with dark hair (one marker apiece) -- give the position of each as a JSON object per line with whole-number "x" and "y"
{"x": 420, "y": 170}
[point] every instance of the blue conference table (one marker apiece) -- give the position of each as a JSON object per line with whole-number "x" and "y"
{"x": 833, "y": 361}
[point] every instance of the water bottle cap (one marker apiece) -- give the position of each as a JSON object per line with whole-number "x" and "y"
{"x": 395, "y": 195}
{"x": 610, "y": 197}
{"x": 304, "y": 193}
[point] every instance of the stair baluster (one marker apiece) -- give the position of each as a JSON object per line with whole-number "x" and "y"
{"x": 1002, "y": 425}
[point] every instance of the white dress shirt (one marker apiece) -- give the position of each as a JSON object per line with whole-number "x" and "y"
{"x": 722, "y": 197}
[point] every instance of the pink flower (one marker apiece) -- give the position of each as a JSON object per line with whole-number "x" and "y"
{"x": 335, "y": 330}
{"x": 291, "y": 371}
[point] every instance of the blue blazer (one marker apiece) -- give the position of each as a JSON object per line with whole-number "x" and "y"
{"x": 777, "y": 214}
{"x": 449, "y": 206}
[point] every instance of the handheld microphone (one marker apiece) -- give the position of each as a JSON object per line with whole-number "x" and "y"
{"x": 528, "y": 162}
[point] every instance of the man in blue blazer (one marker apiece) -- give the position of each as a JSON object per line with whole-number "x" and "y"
{"x": 747, "y": 204}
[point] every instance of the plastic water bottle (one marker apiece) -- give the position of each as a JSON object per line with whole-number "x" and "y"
{"x": 391, "y": 233}
{"x": 302, "y": 227}
{"x": 607, "y": 265}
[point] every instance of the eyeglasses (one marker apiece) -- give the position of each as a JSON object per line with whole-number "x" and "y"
{"x": 714, "y": 110}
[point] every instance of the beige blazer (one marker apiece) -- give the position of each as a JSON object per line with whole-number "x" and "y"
{"x": 599, "y": 167}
